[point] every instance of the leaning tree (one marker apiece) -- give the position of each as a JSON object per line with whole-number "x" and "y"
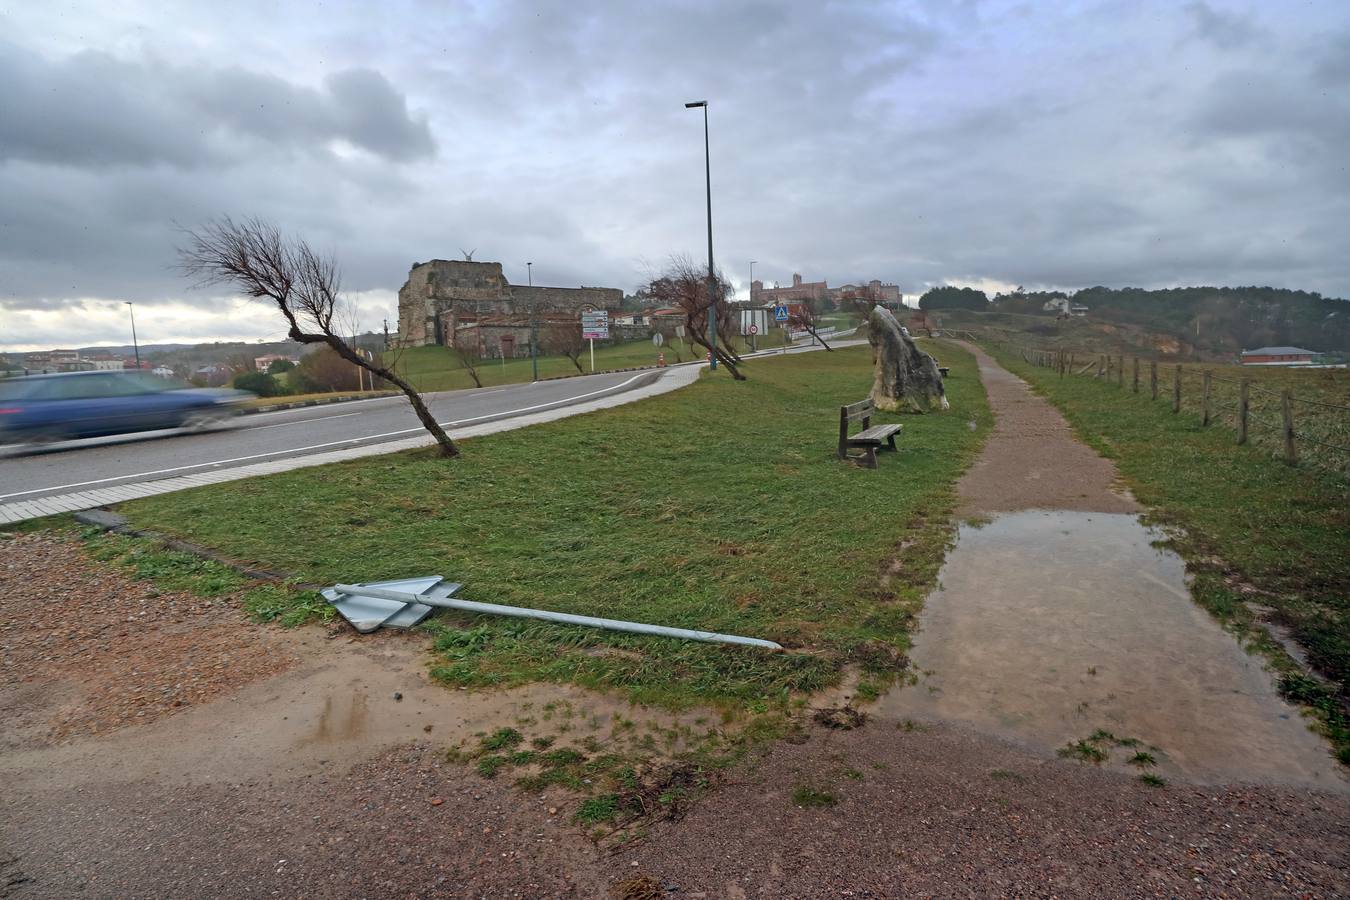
{"x": 806, "y": 315}
{"x": 685, "y": 286}
{"x": 255, "y": 258}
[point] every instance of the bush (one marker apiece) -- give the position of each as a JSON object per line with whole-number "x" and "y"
{"x": 259, "y": 383}
{"x": 278, "y": 366}
{"x": 322, "y": 370}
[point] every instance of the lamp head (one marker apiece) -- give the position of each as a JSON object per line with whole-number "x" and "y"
{"x": 695, "y": 104}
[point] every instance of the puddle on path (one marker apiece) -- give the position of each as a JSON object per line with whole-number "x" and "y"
{"x": 1049, "y": 625}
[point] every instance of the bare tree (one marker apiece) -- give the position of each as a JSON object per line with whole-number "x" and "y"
{"x": 306, "y": 286}
{"x": 807, "y": 316}
{"x": 685, "y": 286}
{"x": 565, "y": 338}
{"x": 469, "y": 354}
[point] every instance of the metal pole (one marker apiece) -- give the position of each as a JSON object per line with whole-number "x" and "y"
{"x": 135, "y": 344}
{"x": 534, "y": 322}
{"x": 712, "y": 280}
{"x": 547, "y": 616}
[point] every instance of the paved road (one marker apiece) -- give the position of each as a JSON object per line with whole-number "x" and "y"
{"x": 108, "y": 462}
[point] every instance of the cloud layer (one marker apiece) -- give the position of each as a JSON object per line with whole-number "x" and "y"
{"x": 996, "y": 143}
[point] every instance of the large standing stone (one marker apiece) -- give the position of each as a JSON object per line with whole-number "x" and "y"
{"x": 906, "y": 377}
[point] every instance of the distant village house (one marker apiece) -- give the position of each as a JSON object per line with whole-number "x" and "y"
{"x": 1277, "y": 356}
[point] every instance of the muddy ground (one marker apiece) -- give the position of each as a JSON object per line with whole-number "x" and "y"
{"x": 287, "y": 767}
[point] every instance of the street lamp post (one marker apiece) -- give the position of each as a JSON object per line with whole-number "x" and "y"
{"x": 534, "y": 322}
{"x": 754, "y": 316}
{"x": 712, "y": 279}
{"x": 135, "y": 345}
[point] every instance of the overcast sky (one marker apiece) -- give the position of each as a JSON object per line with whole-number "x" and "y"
{"x": 1047, "y": 144}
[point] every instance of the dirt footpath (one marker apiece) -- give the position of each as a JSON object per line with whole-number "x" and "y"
{"x": 1032, "y": 460}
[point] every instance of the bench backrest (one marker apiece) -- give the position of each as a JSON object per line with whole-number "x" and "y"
{"x": 854, "y": 412}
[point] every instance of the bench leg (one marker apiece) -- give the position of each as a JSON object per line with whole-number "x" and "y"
{"x": 868, "y": 460}
{"x": 890, "y": 443}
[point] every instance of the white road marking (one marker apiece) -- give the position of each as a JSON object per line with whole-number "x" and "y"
{"x": 304, "y": 421}
{"x": 369, "y": 437}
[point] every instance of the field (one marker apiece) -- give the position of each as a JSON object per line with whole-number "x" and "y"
{"x": 1319, "y": 399}
{"x": 720, "y": 506}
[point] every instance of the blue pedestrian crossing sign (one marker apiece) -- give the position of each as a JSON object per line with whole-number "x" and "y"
{"x": 780, "y": 313}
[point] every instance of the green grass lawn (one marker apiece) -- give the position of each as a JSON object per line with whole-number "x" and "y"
{"x": 720, "y": 506}
{"x": 436, "y": 368}
{"x": 1254, "y": 529}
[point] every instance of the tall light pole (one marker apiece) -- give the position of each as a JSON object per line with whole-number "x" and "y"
{"x": 712, "y": 279}
{"x": 135, "y": 345}
{"x": 754, "y": 316}
{"x": 534, "y": 322}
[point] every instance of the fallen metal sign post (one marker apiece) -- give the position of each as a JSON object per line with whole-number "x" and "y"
{"x": 386, "y": 593}
{"x": 367, "y": 612}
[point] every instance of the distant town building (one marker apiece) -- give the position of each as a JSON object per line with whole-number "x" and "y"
{"x": 54, "y": 361}
{"x": 799, "y": 291}
{"x": 1278, "y": 356}
{"x": 262, "y": 363}
{"x": 133, "y": 364}
{"x": 104, "y": 362}
{"x": 876, "y": 291}
{"x": 162, "y": 371}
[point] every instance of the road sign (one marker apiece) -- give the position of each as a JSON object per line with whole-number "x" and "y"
{"x": 754, "y": 329}
{"x": 780, "y": 313}
{"x": 679, "y": 331}
{"x": 658, "y": 339}
{"x": 595, "y": 325}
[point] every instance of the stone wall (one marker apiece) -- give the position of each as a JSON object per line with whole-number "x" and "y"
{"x": 442, "y": 294}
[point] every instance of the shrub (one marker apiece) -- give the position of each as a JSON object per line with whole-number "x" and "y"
{"x": 260, "y": 383}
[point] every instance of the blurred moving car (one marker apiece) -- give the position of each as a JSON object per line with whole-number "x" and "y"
{"x": 39, "y": 409}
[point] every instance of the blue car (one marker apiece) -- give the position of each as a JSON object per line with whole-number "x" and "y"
{"x": 41, "y": 409}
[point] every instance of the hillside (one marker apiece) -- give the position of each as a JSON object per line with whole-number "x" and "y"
{"x": 1193, "y": 322}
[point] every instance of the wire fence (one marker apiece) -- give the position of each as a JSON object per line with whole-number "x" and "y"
{"x": 1299, "y": 430}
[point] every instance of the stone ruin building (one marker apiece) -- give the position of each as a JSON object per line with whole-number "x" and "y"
{"x": 471, "y": 304}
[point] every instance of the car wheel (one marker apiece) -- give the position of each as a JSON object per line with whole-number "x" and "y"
{"x": 204, "y": 420}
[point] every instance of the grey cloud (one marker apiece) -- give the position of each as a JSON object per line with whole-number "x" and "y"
{"x": 1224, "y": 29}
{"x": 1043, "y": 144}
{"x": 92, "y": 109}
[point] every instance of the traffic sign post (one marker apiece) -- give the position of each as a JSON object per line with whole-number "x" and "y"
{"x": 594, "y": 324}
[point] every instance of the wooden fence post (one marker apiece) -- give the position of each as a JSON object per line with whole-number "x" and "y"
{"x": 1136, "y": 374}
{"x": 1153, "y": 378}
{"x": 1176, "y": 390}
{"x": 1243, "y": 406}
{"x": 1101, "y": 366}
{"x": 1072, "y": 365}
{"x": 1287, "y": 407}
{"x": 1120, "y": 370}
{"x": 1204, "y": 402}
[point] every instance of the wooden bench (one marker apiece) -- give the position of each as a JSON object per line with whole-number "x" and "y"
{"x": 870, "y": 438}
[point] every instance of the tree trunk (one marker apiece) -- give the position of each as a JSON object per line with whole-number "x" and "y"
{"x": 448, "y": 448}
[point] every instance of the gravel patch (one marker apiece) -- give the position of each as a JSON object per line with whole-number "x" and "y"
{"x": 86, "y": 649}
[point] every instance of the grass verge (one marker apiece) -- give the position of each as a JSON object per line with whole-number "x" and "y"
{"x": 435, "y": 368}
{"x": 720, "y": 506}
{"x": 1251, "y": 529}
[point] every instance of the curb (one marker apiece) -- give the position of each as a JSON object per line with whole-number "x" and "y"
{"x": 301, "y": 404}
